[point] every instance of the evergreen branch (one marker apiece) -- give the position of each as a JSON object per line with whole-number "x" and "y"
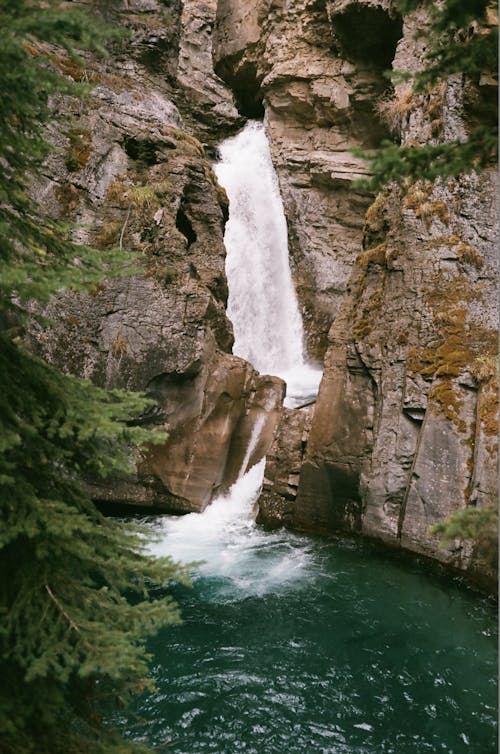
{"x": 460, "y": 37}
{"x": 71, "y": 622}
{"x": 54, "y": 431}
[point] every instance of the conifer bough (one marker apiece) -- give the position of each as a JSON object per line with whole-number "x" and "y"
{"x": 78, "y": 592}
{"x": 462, "y": 39}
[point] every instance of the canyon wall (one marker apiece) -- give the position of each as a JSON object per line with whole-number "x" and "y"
{"x": 404, "y": 431}
{"x": 128, "y": 173}
{"x": 397, "y": 291}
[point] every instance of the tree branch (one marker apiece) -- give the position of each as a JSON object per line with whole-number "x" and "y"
{"x": 61, "y": 608}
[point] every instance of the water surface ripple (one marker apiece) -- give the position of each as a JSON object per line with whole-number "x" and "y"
{"x": 298, "y": 645}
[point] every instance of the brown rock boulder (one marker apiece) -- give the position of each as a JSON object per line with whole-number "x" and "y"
{"x": 277, "y": 502}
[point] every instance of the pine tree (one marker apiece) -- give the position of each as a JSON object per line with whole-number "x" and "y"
{"x": 78, "y": 592}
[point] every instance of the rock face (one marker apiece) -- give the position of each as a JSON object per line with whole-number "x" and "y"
{"x": 404, "y": 429}
{"x": 277, "y": 502}
{"x": 398, "y": 291}
{"x": 303, "y": 63}
{"x": 398, "y": 430}
{"x": 129, "y": 174}
{"x": 207, "y": 104}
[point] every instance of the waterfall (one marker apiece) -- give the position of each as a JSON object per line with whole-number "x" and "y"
{"x": 262, "y": 303}
{"x": 252, "y": 443}
{"x": 268, "y": 333}
{"x": 289, "y": 643}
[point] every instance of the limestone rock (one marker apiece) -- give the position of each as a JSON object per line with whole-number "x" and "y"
{"x": 283, "y": 467}
{"x": 127, "y": 172}
{"x": 403, "y": 302}
{"x": 208, "y": 438}
{"x": 301, "y": 64}
{"x": 394, "y": 447}
{"x": 206, "y": 102}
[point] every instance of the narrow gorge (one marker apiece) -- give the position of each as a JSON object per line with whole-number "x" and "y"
{"x": 397, "y": 291}
{"x": 249, "y": 370}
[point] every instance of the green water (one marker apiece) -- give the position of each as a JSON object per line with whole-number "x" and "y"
{"x": 303, "y": 646}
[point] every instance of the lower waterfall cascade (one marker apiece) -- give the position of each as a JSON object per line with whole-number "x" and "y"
{"x": 292, "y": 644}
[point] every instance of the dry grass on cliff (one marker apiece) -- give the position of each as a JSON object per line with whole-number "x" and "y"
{"x": 485, "y": 369}
{"x": 393, "y": 108}
{"x": 108, "y": 234}
{"x": 80, "y": 146}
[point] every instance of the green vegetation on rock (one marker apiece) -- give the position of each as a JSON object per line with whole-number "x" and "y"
{"x": 462, "y": 38}
{"x": 479, "y": 525}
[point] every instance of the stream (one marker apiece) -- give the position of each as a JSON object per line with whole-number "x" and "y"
{"x": 302, "y": 645}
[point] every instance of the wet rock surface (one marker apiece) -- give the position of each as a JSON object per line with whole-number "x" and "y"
{"x": 277, "y": 502}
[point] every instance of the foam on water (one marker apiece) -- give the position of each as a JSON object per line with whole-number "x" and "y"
{"x": 232, "y": 547}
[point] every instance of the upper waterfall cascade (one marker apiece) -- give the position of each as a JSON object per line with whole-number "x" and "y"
{"x": 262, "y": 301}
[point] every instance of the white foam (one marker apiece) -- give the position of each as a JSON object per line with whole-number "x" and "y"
{"x": 231, "y": 546}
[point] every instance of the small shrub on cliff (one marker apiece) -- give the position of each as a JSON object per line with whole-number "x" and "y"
{"x": 478, "y": 525}
{"x": 78, "y": 592}
{"x": 79, "y": 149}
{"x": 393, "y": 109}
{"x": 462, "y": 38}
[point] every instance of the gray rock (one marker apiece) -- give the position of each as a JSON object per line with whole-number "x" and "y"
{"x": 402, "y": 301}
{"x": 130, "y": 174}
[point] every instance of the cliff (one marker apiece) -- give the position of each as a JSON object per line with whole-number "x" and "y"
{"x": 398, "y": 291}
{"x": 404, "y": 429}
{"x": 127, "y": 172}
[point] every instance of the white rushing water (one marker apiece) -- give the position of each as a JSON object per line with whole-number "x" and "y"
{"x": 269, "y": 334}
{"x": 232, "y": 547}
{"x": 262, "y": 302}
